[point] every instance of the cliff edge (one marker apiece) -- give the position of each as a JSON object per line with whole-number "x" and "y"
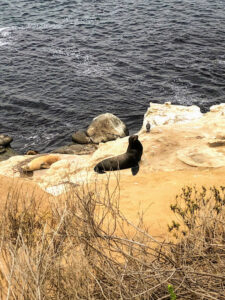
{"x": 183, "y": 147}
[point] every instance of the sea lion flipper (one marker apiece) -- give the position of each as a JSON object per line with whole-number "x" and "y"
{"x": 45, "y": 165}
{"x": 135, "y": 170}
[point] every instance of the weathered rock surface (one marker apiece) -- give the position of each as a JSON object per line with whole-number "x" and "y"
{"x": 220, "y": 108}
{"x": 216, "y": 143}
{"x": 5, "y": 140}
{"x": 203, "y": 157}
{"x": 169, "y": 148}
{"x": 81, "y": 137}
{"x": 166, "y": 114}
{"x": 78, "y": 149}
{"x": 6, "y": 153}
{"x": 191, "y": 153}
{"x": 5, "y": 150}
{"x": 106, "y": 127}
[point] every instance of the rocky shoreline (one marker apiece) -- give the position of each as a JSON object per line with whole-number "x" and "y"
{"x": 182, "y": 149}
{"x": 105, "y": 127}
{"x": 197, "y": 142}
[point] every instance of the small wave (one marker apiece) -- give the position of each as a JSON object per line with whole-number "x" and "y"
{"x": 3, "y": 43}
{"x": 5, "y": 31}
{"x": 181, "y": 95}
{"x": 5, "y": 36}
{"x": 83, "y": 64}
{"x": 90, "y": 68}
{"x": 93, "y": 70}
{"x": 221, "y": 62}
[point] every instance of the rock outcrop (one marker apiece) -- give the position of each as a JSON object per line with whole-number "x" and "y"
{"x": 166, "y": 114}
{"x": 176, "y": 152}
{"x": 81, "y": 137}
{"x": 77, "y": 149}
{"x": 196, "y": 144}
{"x": 106, "y": 127}
{"x": 5, "y": 150}
{"x": 5, "y": 140}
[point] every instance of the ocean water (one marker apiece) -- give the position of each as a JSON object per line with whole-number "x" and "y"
{"x": 64, "y": 62}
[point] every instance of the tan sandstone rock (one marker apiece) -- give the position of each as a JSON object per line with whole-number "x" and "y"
{"x": 165, "y": 114}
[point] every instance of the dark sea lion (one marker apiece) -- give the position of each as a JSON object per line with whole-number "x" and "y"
{"x": 130, "y": 159}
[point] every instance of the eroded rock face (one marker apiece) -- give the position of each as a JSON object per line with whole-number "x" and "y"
{"x": 166, "y": 114}
{"x": 81, "y": 137}
{"x": 106, "y": 127}
{"x": 6, "y": 153}
{"x": 220, "y": 108}
{"x": 189, "y": 146}
{"x": 203, "y": 157}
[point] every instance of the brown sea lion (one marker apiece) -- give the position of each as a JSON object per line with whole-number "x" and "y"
{"x": 130, "y": 159}
{"x": 32, "y": 152}
{"x": 41, "y": 162}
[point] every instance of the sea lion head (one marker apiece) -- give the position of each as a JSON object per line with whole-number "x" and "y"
{"x": 32, "y": 152}
{"x": 135, "y": 145}
{"x": 99, "y": 168}
{"x": 133, "y": 138}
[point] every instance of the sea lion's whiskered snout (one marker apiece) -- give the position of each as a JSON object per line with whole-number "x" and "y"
{"x": 99, "y": 169}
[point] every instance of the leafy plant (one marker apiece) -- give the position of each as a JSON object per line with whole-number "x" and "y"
{"x": 191, "y": 203}
{"x": 171, "y": 292}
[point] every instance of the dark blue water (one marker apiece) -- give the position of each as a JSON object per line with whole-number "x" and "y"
{"x": 64, "y": 62}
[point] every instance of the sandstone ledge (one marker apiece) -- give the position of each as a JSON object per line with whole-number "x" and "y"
{"x": 175, "y": 154}
{"x": 194, "y": 141}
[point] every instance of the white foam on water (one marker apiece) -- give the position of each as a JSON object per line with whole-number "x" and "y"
{"x": 5, "y": 36}
{"x": 92, "y": 69}
{"x": 5, "y": 31}
{"x": 221, "y": 62}
{"x": 181, "y": 95}
{"x": 3, "y": 43}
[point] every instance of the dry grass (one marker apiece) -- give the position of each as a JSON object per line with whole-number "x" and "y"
{"x": 81, "y": 247}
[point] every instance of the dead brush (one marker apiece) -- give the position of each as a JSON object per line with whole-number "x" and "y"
{"x": 200, "y": 253}
{"x": 82, "y": 247}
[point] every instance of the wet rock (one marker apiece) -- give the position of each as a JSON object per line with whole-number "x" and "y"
{"x": 5, "y": 140}
{"x": 81, "y": 137}
{"x": 2, "y": 149}
{"x": 7, "y": 152}
{"x": 79, "y": 149}
{"x": 106, "y": 127}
